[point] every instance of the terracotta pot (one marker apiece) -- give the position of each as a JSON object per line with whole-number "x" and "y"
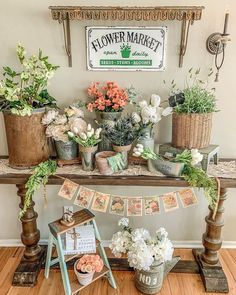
{"x": 102, "y": 163}
{"x": 26, "y": 139}
{"x": 83, "y": 278}
{"x": 124, "y": 150}
{"x": 191, "y": 130}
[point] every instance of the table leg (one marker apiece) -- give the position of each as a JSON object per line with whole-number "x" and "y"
{"x": 211, "y": 270}
{"x": 30, "y": 264}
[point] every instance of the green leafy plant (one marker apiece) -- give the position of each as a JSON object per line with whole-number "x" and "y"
{"x": 123, "y": 132}
{"x": 24, "y": 90}
{"x": 39, "y": 177}
{"x": 196, "y": 97}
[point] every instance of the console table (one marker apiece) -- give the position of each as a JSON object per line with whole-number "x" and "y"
{"x": 207, "y": 259}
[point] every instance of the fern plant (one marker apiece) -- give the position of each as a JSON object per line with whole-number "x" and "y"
{"x": 39, "y": 177}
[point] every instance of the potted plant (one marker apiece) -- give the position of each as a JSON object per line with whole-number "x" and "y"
{"x": 147, "y": 116}
{"x": 59, "y": 124}
{"x": 147, "y": 255}
{"x": 88, "y": 145}
{"x": 184, "y": 165}
{"x": 108, "y": 101}
{"x": 23, "y": 98}
{"x": 192, "y": 116}
{"x": 86, "y": 266}
{"x": 122, "y": 134}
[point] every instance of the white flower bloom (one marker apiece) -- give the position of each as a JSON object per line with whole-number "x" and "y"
{"x": 83, "y": 135}
{"x": 60, "y": 120}
{"x": 143, "y": 104}
{"x": 196, "y": 157}
{"x": 136, "y": 117}
{"x": 140, "y": 234}
{"x": 123, "y": 222}
{"x": 89, "y": 127}
{"x": 69, "y": 112}
{"x": 49, "y": 117}
{"x": 77, "y": 111}
{"x": 97, "y": 133}
{"x": 139, "y": 146}
{"x": 167, "y": 111}
{"x": 77, "y": 125}
{"x": 70, "y": 134}
{"x": 90, "y": 133}
{"x": 155, "y": 100}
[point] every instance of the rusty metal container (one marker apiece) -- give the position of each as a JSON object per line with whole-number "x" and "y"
{"x": 26, "y": 139}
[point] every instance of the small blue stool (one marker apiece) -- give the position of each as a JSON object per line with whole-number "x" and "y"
{"x": 56, "y": 230}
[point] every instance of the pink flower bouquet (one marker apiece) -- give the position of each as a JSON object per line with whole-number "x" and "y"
{"x": 90, "y": 264}
{"x": 107, "y": 98}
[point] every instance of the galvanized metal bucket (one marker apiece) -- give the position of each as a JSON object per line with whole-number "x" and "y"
{"x": 150, "y": 282}
{"x": 88, "y": 157}
{"x": 166, "y": 167}
{"x": 147, "y": 138}
{"x": 66, "y": 150}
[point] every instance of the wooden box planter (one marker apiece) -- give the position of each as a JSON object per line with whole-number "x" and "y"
{"x": 26, "y": 139}
{"x": 191, "y": 130}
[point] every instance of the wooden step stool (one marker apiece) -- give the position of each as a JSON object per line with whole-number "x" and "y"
{"x": 56, "y": 230}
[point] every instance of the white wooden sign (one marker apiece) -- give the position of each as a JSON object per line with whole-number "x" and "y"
{"x": 126, "y": 48}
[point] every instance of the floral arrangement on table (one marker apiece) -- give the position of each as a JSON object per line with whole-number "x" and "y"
{"x": 141, "y": 249}
{"x": 22, "y": 91}
{"x": 86, "y": 138}
{"x": 123, "y": 132}
{"x": 194, "y": 175}
{"x": 59, "y": 124}
{"x": 86, "y": 266}
{"x": 107, "y": 98}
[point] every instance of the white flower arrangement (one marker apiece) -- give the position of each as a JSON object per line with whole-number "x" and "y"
{"x": 150, "y": 114}
{"x": 142, "y": 249}
{"x": 58, "y": 125}
{"x": 88, "y": 137}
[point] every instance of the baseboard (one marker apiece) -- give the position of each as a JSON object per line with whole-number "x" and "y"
{"x": 106, "y": 243}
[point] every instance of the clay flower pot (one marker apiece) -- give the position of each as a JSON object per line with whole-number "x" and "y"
{"x": 102, "y": 163}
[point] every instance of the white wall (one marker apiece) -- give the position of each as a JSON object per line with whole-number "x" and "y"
{"x": 30, "y": 23}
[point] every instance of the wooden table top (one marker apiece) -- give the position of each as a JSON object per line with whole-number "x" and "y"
{"x": 122, "y": 180}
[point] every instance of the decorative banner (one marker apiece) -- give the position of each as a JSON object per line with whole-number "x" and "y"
{"x": 100, "y": 202}
{"x": 68, "y": 189}
{"x": 170, "y": 201}
{"x": 84, "y": 197}
{"x": 134, "y": 206}
{"x": 151, "y": 205}
{"x": 117, "y": 205}
{"x": 187, "y": 197}
{"x": 126, "y": 48}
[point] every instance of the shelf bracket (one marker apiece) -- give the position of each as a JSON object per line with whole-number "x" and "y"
{"x": 184, "y": 38}
{"x": 67, "y": 38}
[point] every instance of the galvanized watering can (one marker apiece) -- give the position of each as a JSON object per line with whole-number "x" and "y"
{"x": 150, "y": 282}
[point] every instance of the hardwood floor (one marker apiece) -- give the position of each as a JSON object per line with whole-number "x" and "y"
{"x": 174, "y": 284}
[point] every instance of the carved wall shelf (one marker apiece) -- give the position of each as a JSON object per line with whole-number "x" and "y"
{"x": 186, "y": 14}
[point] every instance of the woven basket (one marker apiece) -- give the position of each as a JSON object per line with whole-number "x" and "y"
{"x": 191, "y": 130}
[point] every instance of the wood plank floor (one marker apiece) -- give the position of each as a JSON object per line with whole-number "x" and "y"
{"x": 175, "y": 284}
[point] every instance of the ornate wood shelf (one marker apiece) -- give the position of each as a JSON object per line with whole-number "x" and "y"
{"x": 186, "y": 14}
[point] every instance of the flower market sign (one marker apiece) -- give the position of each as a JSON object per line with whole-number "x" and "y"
{"x": 129, "y": 48}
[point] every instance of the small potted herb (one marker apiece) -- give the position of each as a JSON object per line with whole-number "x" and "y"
{"x": 86, "y": 266}
{"x": 23, "y": 98}
{"x": 122, "y": 134}
{"x": 192, "y": 113}
{"x": 59, "y": 124}
{"x": 88, "y": 145}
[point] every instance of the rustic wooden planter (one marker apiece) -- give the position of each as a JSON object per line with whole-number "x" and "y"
{"x": 26, "y": 139}
{"x": 191, "y": 130}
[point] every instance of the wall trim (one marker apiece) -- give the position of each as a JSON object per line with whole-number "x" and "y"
{"x": 177, "y": 244}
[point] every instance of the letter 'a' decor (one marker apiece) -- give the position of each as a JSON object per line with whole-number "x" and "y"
{"x": 186, "y": 14}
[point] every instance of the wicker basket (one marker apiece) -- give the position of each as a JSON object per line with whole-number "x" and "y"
{"x": 191, "y": 130}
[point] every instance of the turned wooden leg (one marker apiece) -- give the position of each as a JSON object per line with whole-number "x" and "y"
{"x": 211, "y": 271}
{"x": 30, "y": 265}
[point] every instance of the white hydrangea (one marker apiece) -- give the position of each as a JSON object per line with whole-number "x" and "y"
{"x": 77, "y": 125}
{"x": 140, "y": 234}
{"x": 155, "y": 100}
{"x": 49, "y": 117}
{"x": 120, "y": 243}
{"x": 60, "y": 120}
